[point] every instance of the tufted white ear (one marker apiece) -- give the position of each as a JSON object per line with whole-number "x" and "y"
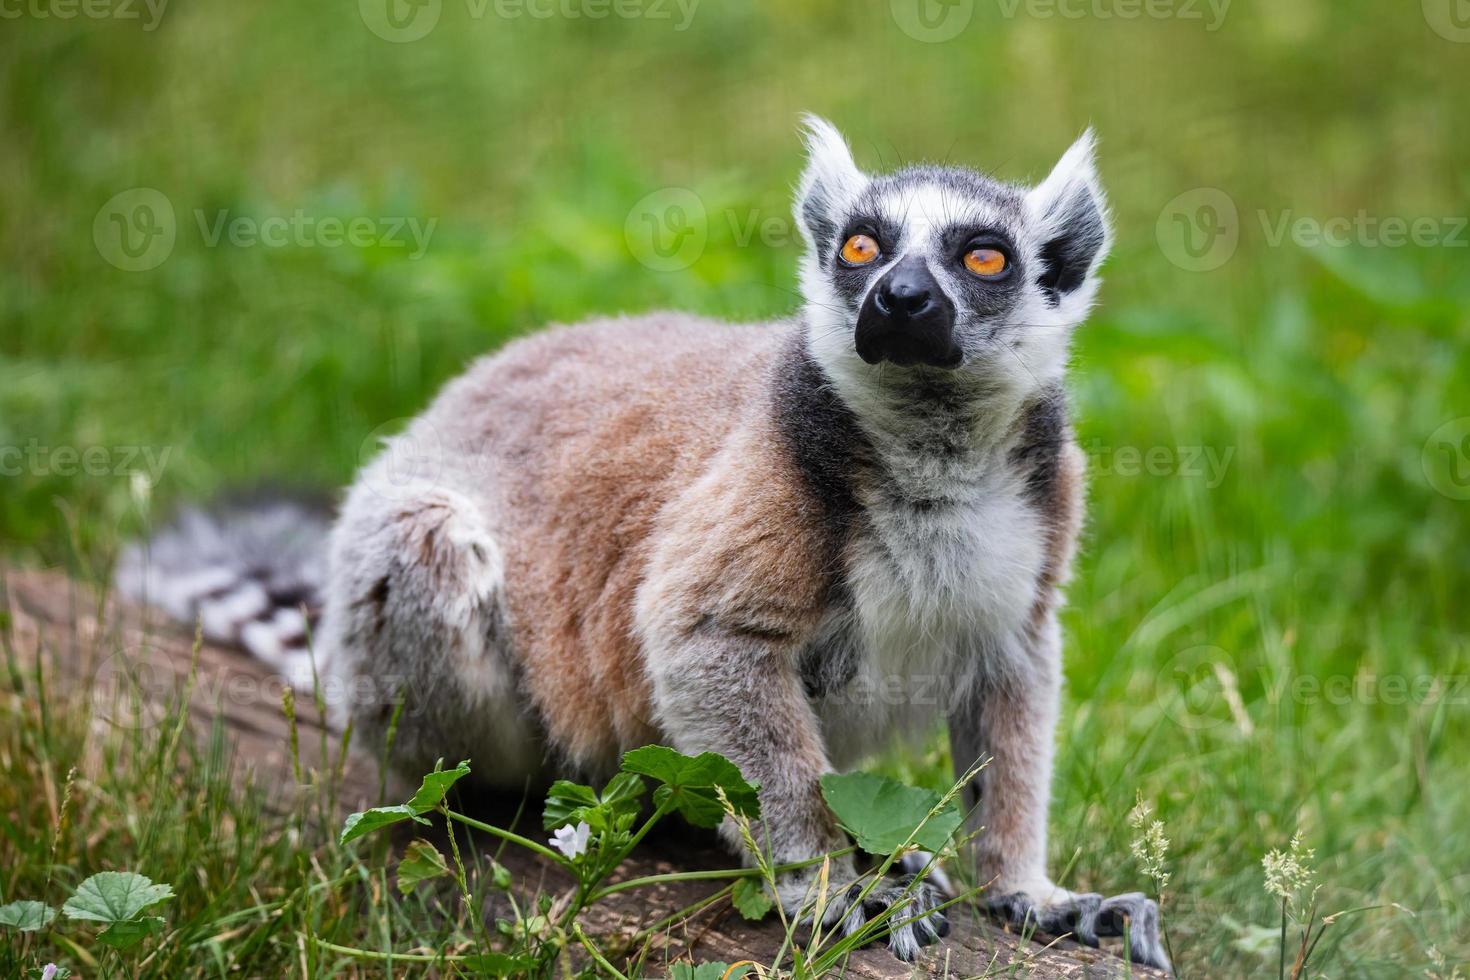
{"x": 1070, "y": 213}
{"x": 831, "y": 180}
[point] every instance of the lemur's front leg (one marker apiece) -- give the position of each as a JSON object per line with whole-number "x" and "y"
{"x": 738, "y": 693}
{"x": 1009, "y": 718}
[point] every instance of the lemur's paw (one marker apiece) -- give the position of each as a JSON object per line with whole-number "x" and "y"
{"x": 1087, "y": 917}
{"x": 917, "y": 860}
{"x": 915, "y": 920}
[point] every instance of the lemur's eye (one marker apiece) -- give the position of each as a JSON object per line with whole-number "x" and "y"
{"x": 859, "y": 250}
{"x": 987, "y": 262}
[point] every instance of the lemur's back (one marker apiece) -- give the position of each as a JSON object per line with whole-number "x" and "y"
{"x": 568, "y": 444}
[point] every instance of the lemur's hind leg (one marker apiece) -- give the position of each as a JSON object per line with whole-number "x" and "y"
{"x": 1010, "y": 718}
{"x": 416, "y": 612}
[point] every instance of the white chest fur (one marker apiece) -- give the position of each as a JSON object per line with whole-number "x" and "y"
{"x": 933, "y": 582}
{"x": 939, "y": 593}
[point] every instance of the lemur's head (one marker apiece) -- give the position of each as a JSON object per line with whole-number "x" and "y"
{"x": 945, "y": 268}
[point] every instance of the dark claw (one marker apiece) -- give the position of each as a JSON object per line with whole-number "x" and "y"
{"x": 904, "y": 938}
{"x": 1087, "y": 917}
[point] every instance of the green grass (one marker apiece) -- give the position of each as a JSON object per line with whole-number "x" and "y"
{"x": 1321, "y": 553}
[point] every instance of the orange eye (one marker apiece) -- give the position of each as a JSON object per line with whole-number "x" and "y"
{"x": 859, "y": 250}
{"x": 985, "y": 261}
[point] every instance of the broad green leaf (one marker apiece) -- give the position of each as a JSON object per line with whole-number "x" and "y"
{"x": 567, "y": 803}
{"x": 497, "y": 965}
{"x": 130, "y": 932}
{"x": 436, "y": 786}
{"x": 881, "y": 813}
{"x": 365, "y": 822}
{"x": 571, "y": 803}
{"x": 421, "y": 861}
{"x": 26, "y": 916}
{"x": 707, "y": 971}
{"x": 751, "y": 898}
{"x": 114, "y": 896}
{"x": 689, "y": 783}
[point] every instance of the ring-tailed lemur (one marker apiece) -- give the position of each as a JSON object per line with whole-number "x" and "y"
{"x": 784, "y": 542}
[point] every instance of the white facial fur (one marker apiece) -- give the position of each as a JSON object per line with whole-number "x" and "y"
{"x": 1019, "y": 351}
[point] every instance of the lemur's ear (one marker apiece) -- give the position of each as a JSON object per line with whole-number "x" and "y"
{"x": 831, "y": 180}
{"x": 1071, "y": 213}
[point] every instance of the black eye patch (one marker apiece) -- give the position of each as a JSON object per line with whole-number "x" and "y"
{"x": 986, "y": 298}
{"x": 852, "y": 281}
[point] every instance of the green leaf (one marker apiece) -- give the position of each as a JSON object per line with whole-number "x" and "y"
{"x": 114, "y": 896}
{"x": 436, "y": 786}
{"x": 26, "y": 916}
{"x": 707, "y": 971}
{"x": 569, "y": 803}
{"x": 881, "y": 813}
{"x": 366, "y": 821}
{"x": 690, "y": 782}
{"x": 421, "y": 861}
{"x": 498, "y": 965}
{"x": 751, "y": 898}
{"x": 130, "y": 932}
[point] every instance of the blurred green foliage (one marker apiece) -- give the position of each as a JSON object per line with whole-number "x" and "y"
{"x": 1318, "y": 379}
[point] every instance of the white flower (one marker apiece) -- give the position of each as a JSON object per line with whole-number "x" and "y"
{"x": 48, "y": 971}
{"x": 570, "y": 841}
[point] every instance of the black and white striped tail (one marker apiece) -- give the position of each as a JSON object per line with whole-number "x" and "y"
{"x": 250, "y": 571}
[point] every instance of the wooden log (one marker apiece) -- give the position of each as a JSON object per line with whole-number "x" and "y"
{"x": 129, "y": 661}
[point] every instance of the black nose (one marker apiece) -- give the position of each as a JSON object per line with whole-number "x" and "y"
{"x": 908, "y": 320}
{"x": 905, "y": 292}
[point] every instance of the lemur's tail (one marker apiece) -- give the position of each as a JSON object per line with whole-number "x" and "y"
{"x": 249, "y": 569}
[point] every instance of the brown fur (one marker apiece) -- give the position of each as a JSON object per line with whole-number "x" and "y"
{"x": 601, "y": 439}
